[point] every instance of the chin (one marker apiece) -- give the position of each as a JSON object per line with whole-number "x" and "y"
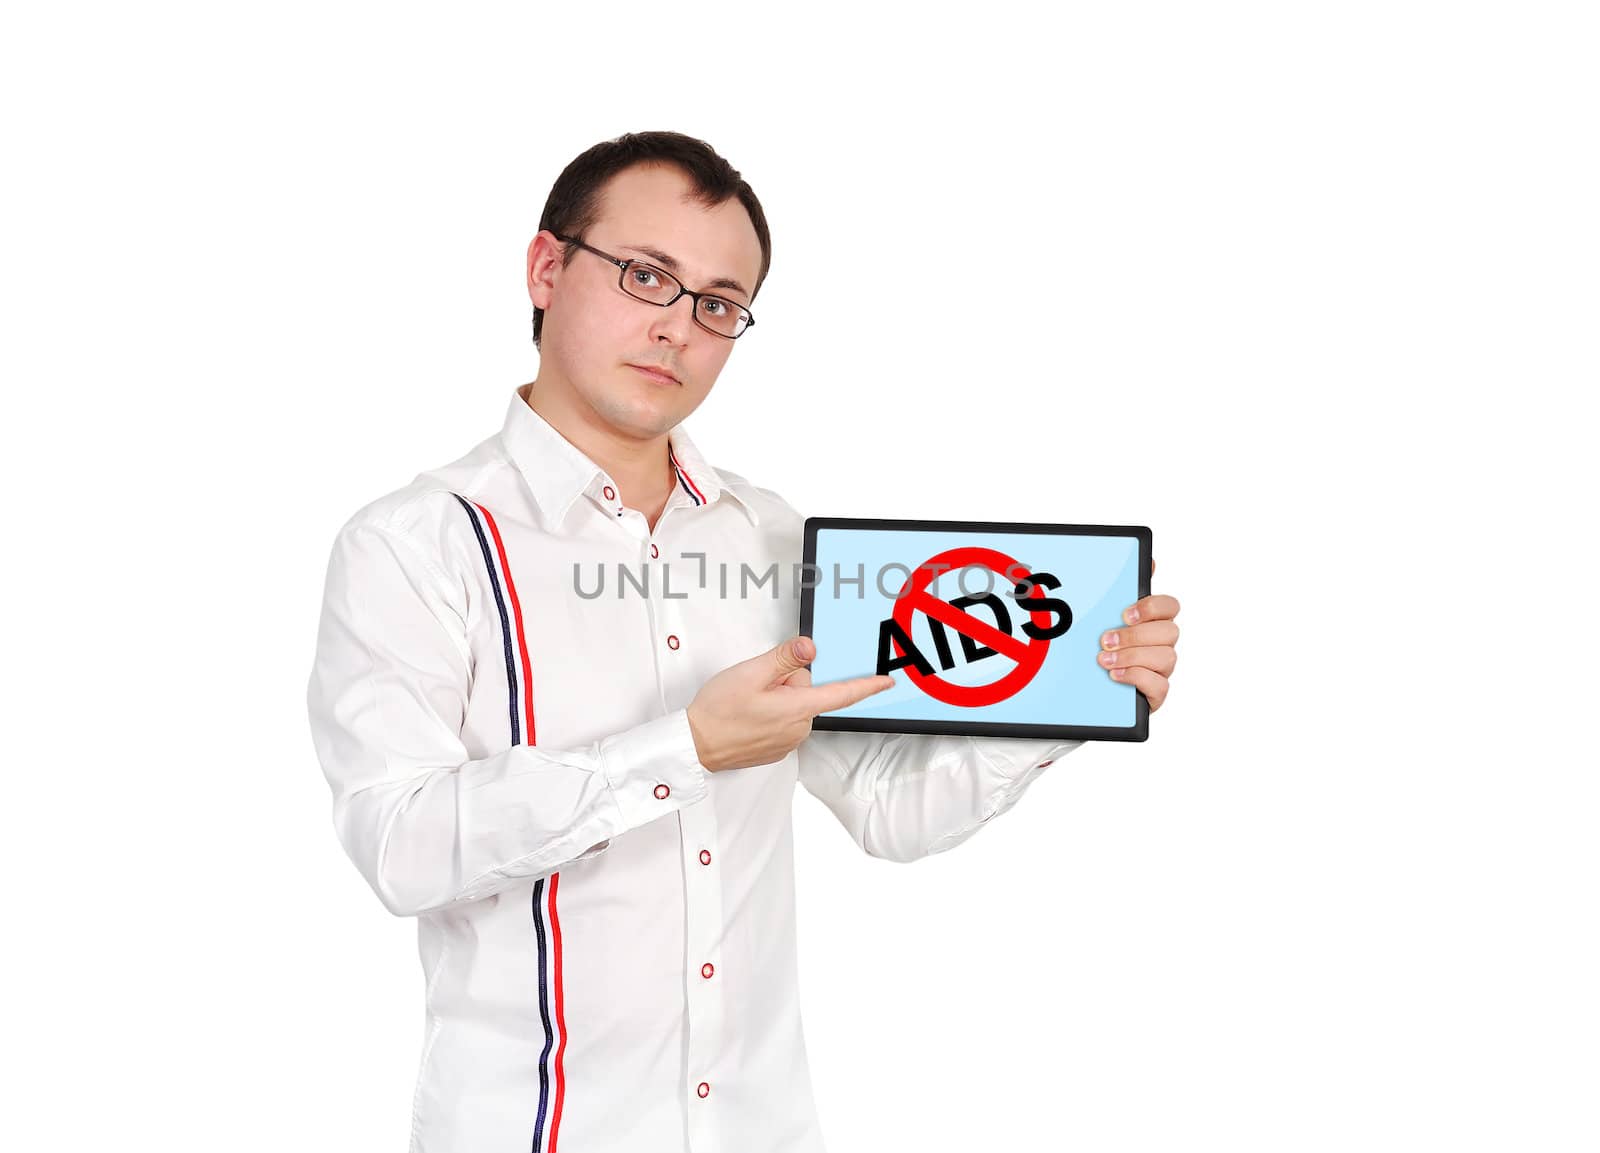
{"x": 640, "y": 420}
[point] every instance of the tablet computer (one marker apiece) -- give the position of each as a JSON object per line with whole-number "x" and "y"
{"x": 939, "y": 606}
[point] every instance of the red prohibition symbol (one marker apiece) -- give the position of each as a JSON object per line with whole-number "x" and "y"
{"x": 1028, "y": 655}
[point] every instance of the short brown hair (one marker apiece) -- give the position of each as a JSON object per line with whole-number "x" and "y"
{"x": 574, "y": 201}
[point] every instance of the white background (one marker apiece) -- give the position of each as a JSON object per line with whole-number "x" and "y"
{"x": 1308, "y": 289}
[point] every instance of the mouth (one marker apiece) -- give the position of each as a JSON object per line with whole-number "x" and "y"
{"x": 658, "y": 375}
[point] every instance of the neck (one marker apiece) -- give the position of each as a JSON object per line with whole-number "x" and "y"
{"x": 640, "y": 467}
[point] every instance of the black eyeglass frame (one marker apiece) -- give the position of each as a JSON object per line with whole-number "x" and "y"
{"x": 750, "y": 320}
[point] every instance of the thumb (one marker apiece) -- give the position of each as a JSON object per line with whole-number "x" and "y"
{"x": 792, "y": 654}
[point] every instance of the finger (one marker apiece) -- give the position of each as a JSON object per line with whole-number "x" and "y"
{"x": 842, "y": 694}
{"x": 1152, "y": 566}
{"x": 1160, "y": 658}
{"x": 799, "y": 679}
{"x": 781, "y": 660}
{"x": 1149, "y": 682}
{"x": 1151, "y": 608}
{"x": 1153, "y": 633}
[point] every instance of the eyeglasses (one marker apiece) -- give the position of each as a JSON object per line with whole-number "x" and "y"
{"x": 716, "y": 314}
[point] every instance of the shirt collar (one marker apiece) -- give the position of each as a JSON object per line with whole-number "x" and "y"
{"x": 558, "y": 472}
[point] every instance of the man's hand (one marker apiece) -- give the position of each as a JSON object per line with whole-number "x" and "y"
{"x": 755, "y": 712}
{"x": 1144, "y": 653}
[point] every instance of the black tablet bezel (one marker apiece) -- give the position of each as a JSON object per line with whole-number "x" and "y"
{"x": 1139, "y": 731}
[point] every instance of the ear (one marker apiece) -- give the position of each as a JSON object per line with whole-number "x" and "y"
{"x": 544, "y": 266}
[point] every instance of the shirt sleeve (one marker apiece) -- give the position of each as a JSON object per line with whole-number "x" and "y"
{"x": 907, "y": 796}
{"x": 427, "y": 826}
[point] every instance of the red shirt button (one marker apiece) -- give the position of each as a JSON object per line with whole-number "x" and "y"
{"x": 707, "y": 969}
{"x": 611, "y": 493}
{"x": 672, "y": 643}
{"x": 705, "y": 856}
{"x": 662, "y": 792}
{"x": 704, "y": 1090}
{"x": 654, "y": 551}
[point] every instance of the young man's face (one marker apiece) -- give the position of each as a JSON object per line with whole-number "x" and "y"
{"x": 598, "y": 338}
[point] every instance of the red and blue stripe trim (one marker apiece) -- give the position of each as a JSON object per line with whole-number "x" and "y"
{"x": 683, "y": 478}
{"x": 546, "y": 920}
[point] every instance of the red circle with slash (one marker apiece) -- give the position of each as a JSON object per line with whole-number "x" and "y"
{"x": 1029, "y": 655}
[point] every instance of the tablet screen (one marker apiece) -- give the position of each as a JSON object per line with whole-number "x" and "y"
{"x": 938, "y": 605}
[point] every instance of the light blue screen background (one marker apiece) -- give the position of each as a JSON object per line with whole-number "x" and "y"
{"x": 1099, "y": 578}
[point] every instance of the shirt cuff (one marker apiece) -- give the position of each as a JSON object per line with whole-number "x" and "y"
{"x": 1013, "y": 758}
{"x": 654, "y": 769}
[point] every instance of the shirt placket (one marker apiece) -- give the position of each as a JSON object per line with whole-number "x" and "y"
{"x": 705, "y": 1005}
{"x": 703, "y": 969}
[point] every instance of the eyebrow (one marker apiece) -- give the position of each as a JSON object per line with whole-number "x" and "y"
{"x": 672, "y": 265}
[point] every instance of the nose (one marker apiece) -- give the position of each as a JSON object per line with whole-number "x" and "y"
{"x": 674, "y": 322}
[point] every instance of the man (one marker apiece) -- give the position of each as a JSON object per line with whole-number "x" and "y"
{"x": 585, "y": 800}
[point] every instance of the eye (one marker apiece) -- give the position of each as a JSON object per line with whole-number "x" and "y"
{"x": 713, "y": 306}
{"x": 644, "y": 276}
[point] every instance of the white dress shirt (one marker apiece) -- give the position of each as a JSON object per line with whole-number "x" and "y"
{"x": 606, "y": 928}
